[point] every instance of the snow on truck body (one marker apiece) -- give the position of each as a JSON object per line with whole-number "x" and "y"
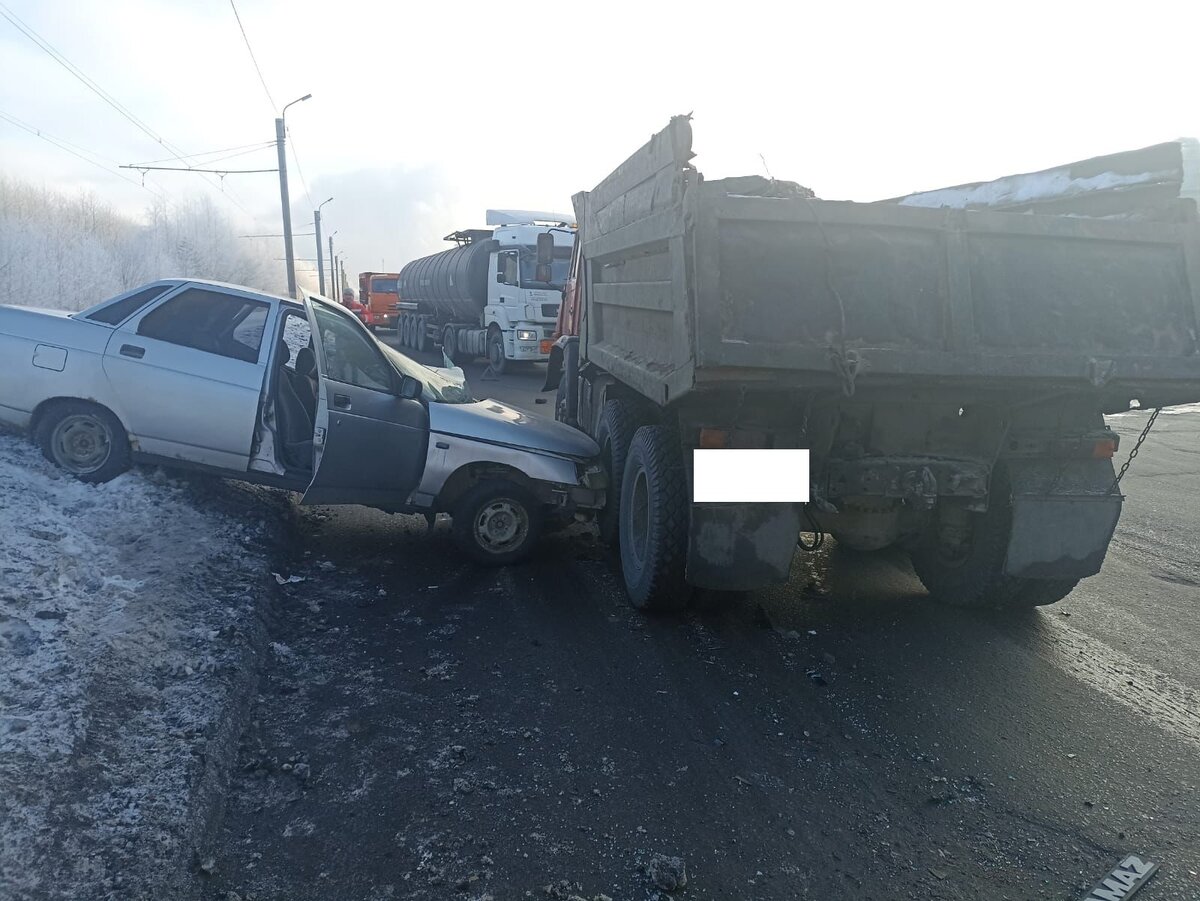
{"x": 294, "y": 394}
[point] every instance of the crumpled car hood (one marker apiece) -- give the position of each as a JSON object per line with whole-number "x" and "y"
{"x": 493, "y": 422}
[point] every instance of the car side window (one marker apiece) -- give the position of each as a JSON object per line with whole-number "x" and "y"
{"x": 117, "y": 312}
{"x": 210, "y": 321}
{"x": 350, "y": 355}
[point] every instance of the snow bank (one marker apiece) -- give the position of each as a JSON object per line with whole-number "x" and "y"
{"x": 126, "y": 620}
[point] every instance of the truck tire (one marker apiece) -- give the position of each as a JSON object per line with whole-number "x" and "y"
{"x": 449, "y": 345}
{"x": 421, "y": 343}
{"x": 654, "y": 520}
{"x": 619, "y": 420}
{"x": 405, "y": 330}
{"x": 497, "y": 522}
{"x": 495, "y": 352}
{"x": 85, "y": 439}
{"x": 977, "y": 579}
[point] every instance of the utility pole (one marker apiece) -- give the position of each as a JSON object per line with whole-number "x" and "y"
{"x": 335, "y": 291}
{"x": 285, "y": 201}
{"x": 320, "y": 261}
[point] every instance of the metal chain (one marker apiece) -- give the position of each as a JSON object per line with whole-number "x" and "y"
{"x": 1136, "y": 447}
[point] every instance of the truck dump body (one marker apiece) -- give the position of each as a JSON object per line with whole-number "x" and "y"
{"x": 692, "y": 283}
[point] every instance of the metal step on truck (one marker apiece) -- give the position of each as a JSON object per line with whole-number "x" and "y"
{"x": 948, "y": 370}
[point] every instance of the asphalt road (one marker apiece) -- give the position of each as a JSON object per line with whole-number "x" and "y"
{"x": 429, "y": 730}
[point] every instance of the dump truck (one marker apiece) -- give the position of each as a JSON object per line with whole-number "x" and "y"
{"x": 496, "y": 293}
{"x": 948, "y": 371}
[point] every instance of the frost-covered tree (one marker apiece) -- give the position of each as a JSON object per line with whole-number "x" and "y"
{"x": 68, "y": 252}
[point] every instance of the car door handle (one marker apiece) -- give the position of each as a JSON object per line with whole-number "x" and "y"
{"x": 132, "y": 350}
{"x": 341, "y": 401}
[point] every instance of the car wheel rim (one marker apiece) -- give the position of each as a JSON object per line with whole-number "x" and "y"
{"x": 501, "y": 526}
{"x": 81, "y": 444}
{"x": 639, "y": 517}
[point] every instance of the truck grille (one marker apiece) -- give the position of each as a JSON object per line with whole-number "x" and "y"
{"x": 549, "y": 309}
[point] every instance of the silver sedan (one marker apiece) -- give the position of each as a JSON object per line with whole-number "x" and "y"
{"x": 295, "y": 394}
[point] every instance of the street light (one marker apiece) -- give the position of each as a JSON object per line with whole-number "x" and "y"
{"x": 320, "y": 262}
{"x": 280, "y": 131}
{"x": 334, "y": 285}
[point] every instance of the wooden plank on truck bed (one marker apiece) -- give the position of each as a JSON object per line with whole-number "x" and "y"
{"x": 669, "y": 149}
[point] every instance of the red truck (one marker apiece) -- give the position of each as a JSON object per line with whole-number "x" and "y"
{"x": 379, "y": 292}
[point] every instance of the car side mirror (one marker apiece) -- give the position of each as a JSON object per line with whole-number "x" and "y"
{"x": 410, "y": 388}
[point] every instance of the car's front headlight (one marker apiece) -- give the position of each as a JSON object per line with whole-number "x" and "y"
{"x": 526, "y": 335}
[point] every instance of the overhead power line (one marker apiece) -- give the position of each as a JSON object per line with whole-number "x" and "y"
{"x": 246, "y": 148}
{"x": 253, "y": 59}
{"x": 74, "y": 150}
{"x": 95, "y": 88}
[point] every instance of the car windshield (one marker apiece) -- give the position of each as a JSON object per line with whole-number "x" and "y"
{"x": 436, "y": 388}
{"x": 384, "y": 285}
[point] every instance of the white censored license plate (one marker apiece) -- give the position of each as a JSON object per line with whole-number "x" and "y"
{"x": 750, "y": 476}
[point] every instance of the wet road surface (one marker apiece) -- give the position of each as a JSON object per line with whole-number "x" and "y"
{"x": 428, "y": 729}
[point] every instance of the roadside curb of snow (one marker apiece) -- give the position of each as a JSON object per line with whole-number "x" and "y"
{"x": 211, "y": 790}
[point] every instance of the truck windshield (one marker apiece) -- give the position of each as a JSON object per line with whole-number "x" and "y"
{"x": 384, "y": 285}
{"x": 558, "y": 269}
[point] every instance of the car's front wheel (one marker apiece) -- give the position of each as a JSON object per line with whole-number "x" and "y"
{"x": 84, "y": 439}
{"x": 497, "y": 522}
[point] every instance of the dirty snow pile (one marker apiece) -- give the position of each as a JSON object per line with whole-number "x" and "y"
{"x": 127, "y": 626}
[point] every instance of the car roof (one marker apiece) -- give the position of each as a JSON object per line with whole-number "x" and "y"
{"x": 212, "y": 283}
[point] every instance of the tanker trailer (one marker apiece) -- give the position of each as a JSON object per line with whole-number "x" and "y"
{"x": 495, "y": 294}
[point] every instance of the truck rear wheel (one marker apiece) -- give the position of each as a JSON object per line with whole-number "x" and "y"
{"x": 653, "y": 521}
{"x": 421, "y": 341}
{"x": 974, "y": 576}
{"x": 618, "y": 423}
{"x": 449, "y": 344}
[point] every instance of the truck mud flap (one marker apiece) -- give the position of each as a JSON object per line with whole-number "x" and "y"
{"x": 740, "y": 547}
{"x": 1061, "y": 535}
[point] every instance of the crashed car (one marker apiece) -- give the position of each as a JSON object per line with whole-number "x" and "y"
{"x": 293, "y": 394}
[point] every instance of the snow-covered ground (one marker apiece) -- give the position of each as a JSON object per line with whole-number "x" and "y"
{"x": 128, "y": 638}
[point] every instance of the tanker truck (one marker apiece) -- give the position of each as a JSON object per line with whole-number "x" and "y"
{"x": 495, "y": 294}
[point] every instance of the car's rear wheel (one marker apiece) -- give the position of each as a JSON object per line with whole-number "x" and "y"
{"x": 497, "y": 522}
{"x": 84, "y": 439}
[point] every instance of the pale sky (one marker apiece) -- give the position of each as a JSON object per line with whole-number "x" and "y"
{"x": 424, "y": 114}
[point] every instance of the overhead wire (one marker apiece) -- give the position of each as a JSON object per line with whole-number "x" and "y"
{"x": 76, "y": 151}
{"x": 89, "y": 83}
{"x": 274, "y": 107}
{"x": 253, "y": 59}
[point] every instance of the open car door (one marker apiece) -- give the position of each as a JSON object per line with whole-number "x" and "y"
{"x": 370, "y": 439}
